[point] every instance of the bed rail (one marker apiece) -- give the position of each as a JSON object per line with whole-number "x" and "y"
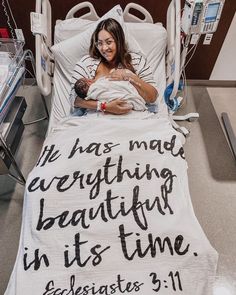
{"x": 91, "y": 15}
{"x": 129, "y": 17}
{"x": 41, "y": 27}
{"x": 173, "y": 45}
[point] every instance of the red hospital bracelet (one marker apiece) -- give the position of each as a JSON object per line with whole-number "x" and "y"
{"x": 103, "y": 106}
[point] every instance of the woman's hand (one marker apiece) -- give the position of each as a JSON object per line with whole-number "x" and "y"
{"x": 119, "y": 75}
{"x": 116, "y": 75}
{"x": 146, "y": 90}
{"x": 124, "y": 75}
{"x": 118, "y": 107}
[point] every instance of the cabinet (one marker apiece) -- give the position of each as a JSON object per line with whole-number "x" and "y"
{"x": 12, "y": 107}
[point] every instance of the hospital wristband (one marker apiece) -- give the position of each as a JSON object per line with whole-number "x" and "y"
{"x": 99, "y": 106}
{"x": 103, "y": 106}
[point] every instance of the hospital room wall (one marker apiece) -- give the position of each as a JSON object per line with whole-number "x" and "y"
{"x": 202, "y": 63}
{"x": 225, "y": 66}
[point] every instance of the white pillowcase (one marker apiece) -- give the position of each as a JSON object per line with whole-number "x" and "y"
{"x": 153, "y": 40}
{"x": 68, "y": 28}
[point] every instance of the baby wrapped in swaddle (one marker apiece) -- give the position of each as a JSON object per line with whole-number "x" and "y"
{"x": 106, "y": 90}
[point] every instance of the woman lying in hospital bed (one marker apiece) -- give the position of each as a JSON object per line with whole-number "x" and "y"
{"x": 109, "y": 57}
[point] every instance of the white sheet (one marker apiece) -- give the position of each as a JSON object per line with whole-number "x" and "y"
{"x": 144, "y": 239}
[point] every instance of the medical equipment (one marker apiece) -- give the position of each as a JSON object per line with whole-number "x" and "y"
{"x": 11, "y": 108}
{"x": 13, "y": 58}
{"x": 198, "y": 17}
{"x": 11, "y": 62}
{"x": 201, "y": 17}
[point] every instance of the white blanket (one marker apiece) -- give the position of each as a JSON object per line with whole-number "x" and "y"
{"x": 107, "y": 211}
{"x": 107, "y": 90}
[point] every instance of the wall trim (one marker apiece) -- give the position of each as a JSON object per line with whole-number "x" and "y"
{"x": 212, "y": 83}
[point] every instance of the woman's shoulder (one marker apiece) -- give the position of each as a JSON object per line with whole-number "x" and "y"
{"x": 137, "y": 54}
{"x": 88, "y": 60}
{"x": 138, "y": 60}
{"x": 87, "y": 66}
{"x": 137, "y": 57}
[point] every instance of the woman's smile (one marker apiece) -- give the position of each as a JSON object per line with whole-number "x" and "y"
{"x": 108, "y": 55}
{"x": 106, "y": 45}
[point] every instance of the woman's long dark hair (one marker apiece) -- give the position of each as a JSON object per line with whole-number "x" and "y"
{"x": 113, "y": 27}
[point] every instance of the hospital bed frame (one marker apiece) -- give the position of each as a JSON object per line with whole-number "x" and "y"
{"x": 41, "y": 27}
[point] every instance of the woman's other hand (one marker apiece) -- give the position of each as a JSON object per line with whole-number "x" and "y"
{"x": 124, "y": 75}
{"x": 118, "y": 107}
{"x": 146, "y": 90}
{"x": 118, "y": 74}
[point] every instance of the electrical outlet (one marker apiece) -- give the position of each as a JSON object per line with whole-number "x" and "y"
{"x": 19, "y": 34}
{"x": 207, "y": 39}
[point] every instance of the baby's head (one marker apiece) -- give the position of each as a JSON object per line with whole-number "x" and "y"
{"x": 82, "y": 86}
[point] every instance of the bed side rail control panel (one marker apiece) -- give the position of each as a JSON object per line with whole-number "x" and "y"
{"x": 11, "y": 129}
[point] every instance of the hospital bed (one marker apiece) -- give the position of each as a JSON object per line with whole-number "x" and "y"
{"x": 107, "y": 208}
{"x": 165, "y": 58}
{"x": 66, "y": 34}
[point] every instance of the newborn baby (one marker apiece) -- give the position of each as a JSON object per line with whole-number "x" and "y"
{"x": 106, "y": 90}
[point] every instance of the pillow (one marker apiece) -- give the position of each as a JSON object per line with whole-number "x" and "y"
{"x": 68, "y": 28}
{"x": 69, "y": 51}
{"x": 153, "y": 40}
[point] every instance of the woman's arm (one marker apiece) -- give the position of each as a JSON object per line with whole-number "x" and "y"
{"x": 116, "y": 106}
{"x": 146, "y": 90}
{"x": 85, "y": 104}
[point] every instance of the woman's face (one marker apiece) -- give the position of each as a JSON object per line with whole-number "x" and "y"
{"x": 106, "y": 45}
